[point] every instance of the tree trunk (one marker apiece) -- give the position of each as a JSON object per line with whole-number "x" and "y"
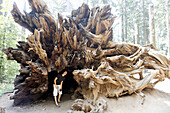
{"x": 137, "y": 39}
{"x": 152, "y": 25}
{"x": 137, "y": 33}
{"x": 125, "y": 21}
{"x": 122, "y": 22}
{"x": 84, "y": 44}
{"x": 144, "y": 23}
{"x": 168, "y": 26}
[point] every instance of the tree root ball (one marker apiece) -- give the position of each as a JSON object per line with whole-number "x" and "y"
{"x": 82, "y": 42}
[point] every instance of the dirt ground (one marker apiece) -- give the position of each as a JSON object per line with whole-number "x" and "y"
{"x": 156, "y": 101}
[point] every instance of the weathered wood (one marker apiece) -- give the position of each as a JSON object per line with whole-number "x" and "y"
{"x": 82, "y": 42}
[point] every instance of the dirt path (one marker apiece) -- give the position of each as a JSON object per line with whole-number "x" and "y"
{"x": 44, "y": 106}
{"x": 155, "y": 102}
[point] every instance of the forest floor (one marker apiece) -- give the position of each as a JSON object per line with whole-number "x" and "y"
{"x": 156, "y": 101}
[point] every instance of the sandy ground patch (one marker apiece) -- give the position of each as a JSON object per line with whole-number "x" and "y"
{"x": 156, "y": 101}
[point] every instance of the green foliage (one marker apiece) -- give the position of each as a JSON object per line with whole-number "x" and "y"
{"x": 9, "y": 35}
{"x": 4, "y": 87}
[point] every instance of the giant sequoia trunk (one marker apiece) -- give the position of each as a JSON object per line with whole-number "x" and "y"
{"x": 83, "y": 43}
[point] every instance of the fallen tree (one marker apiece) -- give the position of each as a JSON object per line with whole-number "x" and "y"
{"x": 83, "y": 42}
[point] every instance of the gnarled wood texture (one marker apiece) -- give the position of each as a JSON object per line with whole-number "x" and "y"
{"x": 83, "y": 42}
